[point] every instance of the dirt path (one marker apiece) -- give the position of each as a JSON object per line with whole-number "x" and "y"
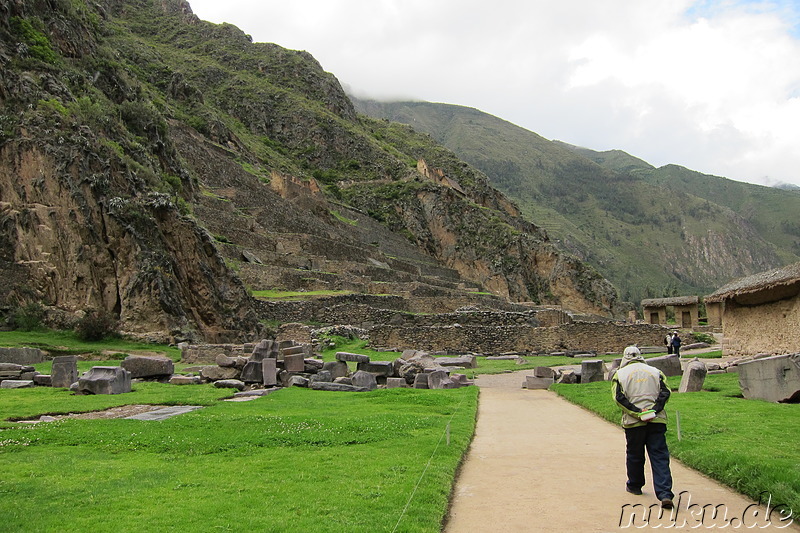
{"x": 539, "y": 464}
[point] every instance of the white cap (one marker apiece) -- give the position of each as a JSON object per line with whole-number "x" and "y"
{"x": 631, "y": 350}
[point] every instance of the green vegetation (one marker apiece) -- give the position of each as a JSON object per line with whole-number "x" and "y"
{"x": 296, "y": 295}
{"x": 32, "y": 33}
{"x": 67, "y": 343}
{"x": 745, "y": 444}
{"x": 294, "y": 461}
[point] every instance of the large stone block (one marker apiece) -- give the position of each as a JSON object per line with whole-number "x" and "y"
{"x": 252, "y": 372}
{"x": 269, "y": 370}
{"x": 364, "y": 379}
{"x": 16, "y": 384}
{"x": 352, "y": 357}
{"x": 774, "y": 379}
{"x": 421, "y": 381}
{"x": 148, "y": 367}
{"x": 670, "y": 365}
{"x": 64, "y": 371}
{"x": 264, "y": 349}
{"x": 294, "y": 362}
{"x": 381, "y": 368}
{"x": 105, "y": 380}
{"x": 216, "y": 373}
{"x": 592, "y": 370}
{"x": 544, "y": 372}
{"x": 464, "y": 361}
{"x": 338, "y": 369}
{"x": 340, "y": 387}
{"x": 395, "y": 383}
{"x": 693, "y": 376}
{"x": 440, "y": 379}
{"x": 534, "y": 382}
{"x": 21, "y": 356}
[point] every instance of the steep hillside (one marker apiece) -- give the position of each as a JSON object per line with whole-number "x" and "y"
{"x": 160, "y": 168}
{"x": 611, "y": 209}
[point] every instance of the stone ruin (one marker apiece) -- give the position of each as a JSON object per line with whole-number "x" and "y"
{"x": 772, "y": 378}
{"x": 290, "y": 364}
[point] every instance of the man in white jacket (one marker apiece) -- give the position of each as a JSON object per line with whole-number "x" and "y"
{"x": 641, "y": 392}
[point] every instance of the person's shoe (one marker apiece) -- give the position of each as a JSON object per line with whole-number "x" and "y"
{"x": 637, "y": 492}
{"x": 666, "y": 503}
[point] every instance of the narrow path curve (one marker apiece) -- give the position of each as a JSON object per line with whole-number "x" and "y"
{"x": 541, "y": 464}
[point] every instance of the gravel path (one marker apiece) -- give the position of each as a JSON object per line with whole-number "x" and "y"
{"x": 541, "y": 464}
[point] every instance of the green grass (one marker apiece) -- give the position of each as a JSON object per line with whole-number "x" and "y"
{"x": 296, "y": 460}
{"x": 66, "y": 343}
{"x": 749, "y": 445}
{"x": 295, "y": 295}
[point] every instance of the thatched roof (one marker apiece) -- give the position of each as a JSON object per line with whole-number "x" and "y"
{"x": 757, "y": 282}
{"x": 675, "y": 300}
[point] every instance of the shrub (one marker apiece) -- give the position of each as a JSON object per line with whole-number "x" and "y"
{"x": 28, "y": 317}
{"x": 96, "y": 325}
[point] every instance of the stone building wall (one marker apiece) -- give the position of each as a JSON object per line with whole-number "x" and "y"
{"x": 772, "y": 328}
{"x": 601, "y": 337}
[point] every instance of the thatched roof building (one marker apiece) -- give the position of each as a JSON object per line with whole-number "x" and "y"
{"x": 760, "y": 313}
{"x": 686, "y": 310}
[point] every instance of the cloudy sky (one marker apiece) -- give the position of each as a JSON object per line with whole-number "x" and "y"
{"x": 713, "y": 85}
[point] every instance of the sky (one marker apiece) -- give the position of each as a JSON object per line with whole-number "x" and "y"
{"x": 711, "y": 85}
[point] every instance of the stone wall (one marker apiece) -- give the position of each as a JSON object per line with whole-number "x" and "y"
{"x": 601, "y": 337}
{"x": 772, "y": 328}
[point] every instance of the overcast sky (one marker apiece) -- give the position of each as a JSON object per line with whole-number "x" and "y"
{"x": 712, "y": 85}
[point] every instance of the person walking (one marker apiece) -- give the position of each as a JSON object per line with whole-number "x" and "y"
{"x": 641, "y": 392}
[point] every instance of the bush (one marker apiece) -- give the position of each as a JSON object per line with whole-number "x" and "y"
{"x": 96, "y": 325}
{"x": 29, "y": 317}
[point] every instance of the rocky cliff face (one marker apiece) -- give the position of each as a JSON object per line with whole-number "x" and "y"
{"x": 143, "y": 152}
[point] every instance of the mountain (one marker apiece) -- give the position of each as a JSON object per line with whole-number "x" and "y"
{"x": 161, "y": 169}
{"x": 652, "y": 231}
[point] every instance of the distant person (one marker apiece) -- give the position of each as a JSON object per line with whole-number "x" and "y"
{"x": 668, "y": 342}
{"x": 638, "y": 388}
{"x": 676, "y": 343}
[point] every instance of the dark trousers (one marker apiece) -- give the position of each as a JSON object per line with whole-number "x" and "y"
{"x": 651, "y": 437}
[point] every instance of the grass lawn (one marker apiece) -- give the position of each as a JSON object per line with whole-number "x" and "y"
{"x": 296, "y": 460}
{"x": 66, "y": 343}
{"x": 749, "y": 445}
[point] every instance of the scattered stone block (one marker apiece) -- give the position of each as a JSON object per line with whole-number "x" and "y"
{"x": 43, "y": 380}
{"x": 592, "y": 370}
{"x": 345, "y": 380}
{"x": 105, "y": 380}
{"x": 252, "y": 372}
{"x": 298, "y": 381}
{"x": 185, "y": 380}
{"x": 16, "y": 384}
{"x": 269, "y": 370}
{"x": 464, "y": 361}
{"x": 544, "y": 372}
{"x": 64, "y": 371}
{"x": 352, "y": 357}
{"x": 11, "y": 370}
{"x": 224, "y": 361}
{"x": 670, "y": 365}
{"x": 322, "y": 375}
{"x": 338, "y": 369}
{"x": 336, "y": 387}
{"x": 569, "y": 377}
{"x": 693, "y": 376}
{"x": 148, "y": 367}
{"x": 534, "y": 382}
{"x": 216, "y": 373}
{"x": 293, "y": 350}
{"x": 294, "y": 362}
{"x": 421, "y": 381}
{"x": 229, "y": 384}
{"x": 396, "y": 383}
{"x": 364, "y": 380}
{"x": 440, "y": 379}
{"x": 21, "y": 356}
{"x": 264, "y": 349}
{"x": 381, "y": 368}
{"x": 774, "y": 379}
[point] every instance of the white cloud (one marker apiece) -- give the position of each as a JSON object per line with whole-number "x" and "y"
{"x": 713, "y": 85}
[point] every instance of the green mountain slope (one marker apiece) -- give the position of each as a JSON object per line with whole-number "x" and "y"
{"x": 159, "y": 167}
{"x": 616, "y": 211}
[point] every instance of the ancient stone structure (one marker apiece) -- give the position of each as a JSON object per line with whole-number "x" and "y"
{"x": 64, "y": 371}
{"x": 761, "y": 313}
{"x": 774, "y": 379}
{"x": 21, "y": 356}
{"x": 148, "y": 367}
{"x": 596, "y": 337}
{"x": 670, "y": 365}
{"x": 686, "y": 310}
